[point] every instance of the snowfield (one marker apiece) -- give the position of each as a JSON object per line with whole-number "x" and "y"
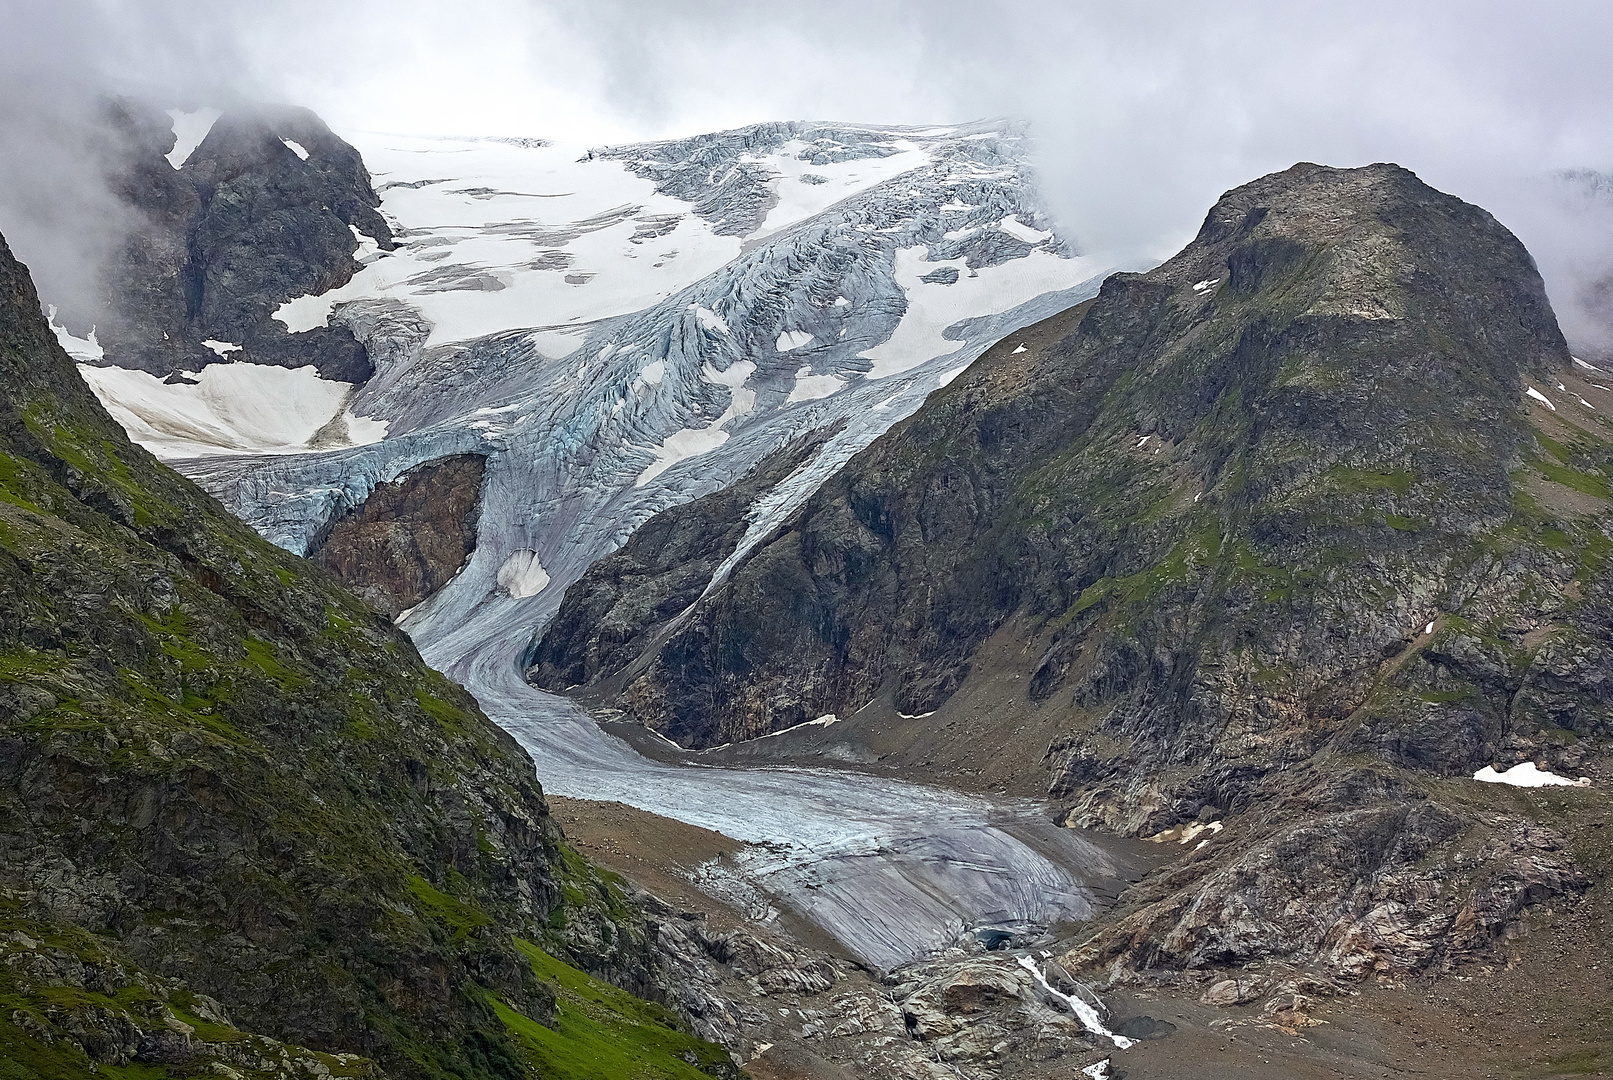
{"x": 1527, "y": 775}
{"x": 232, "y": 409}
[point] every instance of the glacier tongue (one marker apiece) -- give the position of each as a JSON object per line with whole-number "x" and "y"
{"x": 621, "y": 330}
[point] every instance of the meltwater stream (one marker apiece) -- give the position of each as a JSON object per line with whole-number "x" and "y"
{"x": 894, "y": 871}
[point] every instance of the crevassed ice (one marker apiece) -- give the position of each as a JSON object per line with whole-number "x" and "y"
{"x": 693, "y": 442}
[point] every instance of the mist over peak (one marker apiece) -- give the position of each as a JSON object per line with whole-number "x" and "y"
{"x": 1141, "y": 115}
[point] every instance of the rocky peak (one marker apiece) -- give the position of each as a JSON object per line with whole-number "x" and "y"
{"x": 271, "y": 205}
{"x": 1259, "y": 538}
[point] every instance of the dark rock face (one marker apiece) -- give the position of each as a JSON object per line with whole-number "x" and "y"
{"x": 1281, "y": 529}
{"x": 220, "y": 244}
{"x": 219, "y": 765}
{"x": 609, "y": 613}
{"x": 410, "y": 536}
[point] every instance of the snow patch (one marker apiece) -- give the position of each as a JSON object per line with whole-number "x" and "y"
{"x": 921, "y": 335}
{"x": 791, "y": 340}
{"x": 653, "y": 374}
{"x": 693, "y": 442}
{"x": 296, "y": 148}
{"x": 1186, "y": 834}
{"x": 1208, "y": 283}
{"x": 221, "y": 349}
{"x": 798, "y": 201}
{"x": 190, "y": 128}
{"x": 823, "y": 721}
{"x": 810, "y": 387}
{"x": 232, "y": 409}
{"x": 522, "y": 575}
{"x": 369, "y": 248}
{"x": 1527, "y": 775}
{"x": 526, "y": 216}
{"x": 1538, "y": 396}
{"x": 304, "y": 312}
{"x": 709, "y": 319}
{"x": 1017, "y": 229}
{"x": 79, "y": 348}
{"x": 1017, "y": 351}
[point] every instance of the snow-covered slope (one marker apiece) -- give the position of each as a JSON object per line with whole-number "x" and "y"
{"x": 627, "y": 328}
{"x": 621, "y": 330}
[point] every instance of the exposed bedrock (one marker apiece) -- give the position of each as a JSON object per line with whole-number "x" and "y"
{"x": 1280, "y": 541}
{"x": 410, "y": 537}
{"x": 268, "y": 207}
{"x": 662, "y": 570}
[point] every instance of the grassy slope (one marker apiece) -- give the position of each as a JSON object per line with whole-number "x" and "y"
{"x": 225, "y": 776}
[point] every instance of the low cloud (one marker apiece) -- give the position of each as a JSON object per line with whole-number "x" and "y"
{"x": 1144, "y": 113}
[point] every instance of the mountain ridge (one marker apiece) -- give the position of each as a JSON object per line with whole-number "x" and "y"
{"x": 1213, "y": 517}
{"x": 233, "y": 794}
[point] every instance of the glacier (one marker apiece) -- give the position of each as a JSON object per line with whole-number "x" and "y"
{"x": 622, "y": 329}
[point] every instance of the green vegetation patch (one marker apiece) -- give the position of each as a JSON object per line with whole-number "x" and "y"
{"x": 1363, "y": 481}
{"x": 460, "y": 918}
{"x": 1583, "y": 482}
{"x": 603, "y": 1033}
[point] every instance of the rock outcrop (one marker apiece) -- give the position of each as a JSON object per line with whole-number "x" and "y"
{"x": 1281, "y": 531}
{"x": 661, "y": 571}
{"x": 410, "y": 537}
{"x": 231, "y": 793}
{"x": 270, "y": 206}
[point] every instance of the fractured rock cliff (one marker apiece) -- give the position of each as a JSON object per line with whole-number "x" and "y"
{"x": 270, "y": 206}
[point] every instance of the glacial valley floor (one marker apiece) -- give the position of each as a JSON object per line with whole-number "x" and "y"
{"x": 1539, "y": 1007}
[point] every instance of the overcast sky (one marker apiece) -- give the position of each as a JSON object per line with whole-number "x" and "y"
{"x": 1144, "y": 111}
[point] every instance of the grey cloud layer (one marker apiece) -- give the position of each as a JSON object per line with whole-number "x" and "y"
{"x": 1145, "y": 112}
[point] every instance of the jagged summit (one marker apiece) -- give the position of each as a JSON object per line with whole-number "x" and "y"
{"x": 267, "y": 205}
